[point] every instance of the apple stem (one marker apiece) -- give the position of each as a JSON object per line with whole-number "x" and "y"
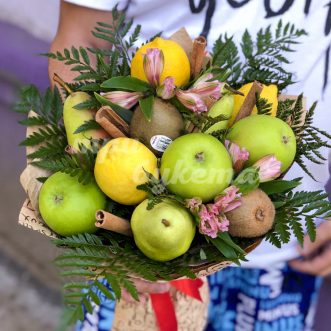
{"x": 200, "y": 157}
{"x": 58, "y": 199}
{"x": 165, "y": 222}
{"x": 62, "y": 83}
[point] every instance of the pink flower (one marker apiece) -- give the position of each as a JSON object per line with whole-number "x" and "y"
{"x": 193, "y": 204}
{"x": 212, "y": 208}
{"x": 269, "y": 168}
{"x": 123, "y": 98}
{"x": 168, "y": 89}
{"x": 229, "y": 199}
{"x": 205, "y": 88}
{"x": 208, "y": 223}
{"x": 153, "y": 65}
{"x": 191, "y": 101}
{"x": 223, "y": 223}
{"x": 203, "y": 78}
{"x": 238, "y": 155}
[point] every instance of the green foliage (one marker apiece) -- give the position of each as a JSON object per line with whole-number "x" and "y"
{"x": 308, "y": 137}
{"x": 280, "y": 185}
{"x": 202, "y": 121}
{"x": 146, "y": 106}
{"x": 80, "y": 62}
{"x": 264, "y": 57}
{"x": 126, "y": 83}
{"x": 293, "y": 208}
{"x": 124, "y": 113}
{"x": 110, "y": 63}
{"x": 88, "y": 125}
{"x": 116, "y": 33}
{"x": 227, "y": 247}
{"x": 156, "y": 190}
{"x": 80, "y": 164}
{"x": 49, "y": 138}
{"x": 263, "y": 106}
{"x": 90, "y": 259}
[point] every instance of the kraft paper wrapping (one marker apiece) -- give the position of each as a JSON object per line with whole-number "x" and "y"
{"x": 191, "y": 314}
{"x": 29, "y": 214}
{"x": 30, "y": 219}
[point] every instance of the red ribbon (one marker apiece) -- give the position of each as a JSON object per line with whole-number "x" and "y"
{"x": 163, "y": 305}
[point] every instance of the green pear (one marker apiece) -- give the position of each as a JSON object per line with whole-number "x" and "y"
{"x": 74, "y": 118}
{"x": 163, "y": 232}
{"x": 224, "y": 106}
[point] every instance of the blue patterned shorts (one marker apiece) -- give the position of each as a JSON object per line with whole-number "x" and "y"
{"x": 277, "y": 299}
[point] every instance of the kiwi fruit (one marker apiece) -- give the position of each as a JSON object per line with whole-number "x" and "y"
{"x": 166, "y": 120}
{"x": 255, "y": 216}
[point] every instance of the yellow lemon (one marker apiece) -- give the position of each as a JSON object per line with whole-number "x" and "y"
{"x": 176, "y": 62}
{"x": 269, "y": 92}
{"x": 119, "y": 169}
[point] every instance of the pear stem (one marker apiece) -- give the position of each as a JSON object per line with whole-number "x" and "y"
{"x": 62, "y": 83}
{"x": 165, "y": 222}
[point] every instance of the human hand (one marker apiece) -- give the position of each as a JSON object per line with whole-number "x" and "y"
{"x": 145, "y": 288}
{"x": 74, "y": 29}
{"x": 316, "y": 255}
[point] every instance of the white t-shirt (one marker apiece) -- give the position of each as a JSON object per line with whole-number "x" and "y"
{"x": 310, "y": 62}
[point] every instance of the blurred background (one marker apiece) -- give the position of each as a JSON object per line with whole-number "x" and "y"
{"x": 30, "y": 297}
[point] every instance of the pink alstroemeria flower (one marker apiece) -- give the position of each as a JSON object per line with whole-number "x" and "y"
{"x": 168, "y": 89}
{"x": 208, "y": 222}
{"x": 153, "y": 65}
{"x": 205, "y": 88}
{"x": 191, "y": 101}
{"x": 269, "y": 168}
{"x": 238, "y": 155}
{"x": 193, "y": 204}
{"x": 122, "y": 98}
{"x": 223, "y": 223}
{"x": 229, "y": 199}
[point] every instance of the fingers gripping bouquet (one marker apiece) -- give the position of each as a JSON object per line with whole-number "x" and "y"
{"x": 167, "y": 162}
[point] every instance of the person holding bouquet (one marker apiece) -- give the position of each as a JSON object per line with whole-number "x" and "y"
{"x": 277, "y": 288}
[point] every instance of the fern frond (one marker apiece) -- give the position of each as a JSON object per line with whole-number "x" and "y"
{"x": 264, "y": 56}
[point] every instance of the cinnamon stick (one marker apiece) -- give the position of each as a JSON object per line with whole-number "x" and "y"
{"x": 198, "y": 55}
{"x": 249, "y": 102}
{"x": 111, "y": 222}
{"x": 111, "y": 122}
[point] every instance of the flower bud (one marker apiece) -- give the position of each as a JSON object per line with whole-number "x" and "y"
{"x": 167, "y": 90}
{"x": 238, "y": 155}
{"x": 205, "y": 88}
{"x": 122, "y": 98}
{"x": 153, "y": 65}
{"x": 191, "y": 101}
{"x": 268, "y": 168}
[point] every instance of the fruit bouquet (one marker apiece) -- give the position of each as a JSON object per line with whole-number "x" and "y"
{"x": 167, "y": 162}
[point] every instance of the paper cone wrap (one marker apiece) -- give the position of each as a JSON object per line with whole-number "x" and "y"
{"x": 191, "y": 314}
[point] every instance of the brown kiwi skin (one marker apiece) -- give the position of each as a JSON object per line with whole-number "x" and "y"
{"x": 255, "y": 216}
{"x": 166, "y": 120}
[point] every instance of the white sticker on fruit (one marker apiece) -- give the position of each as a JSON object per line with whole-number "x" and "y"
{"x": 160, "y": 142}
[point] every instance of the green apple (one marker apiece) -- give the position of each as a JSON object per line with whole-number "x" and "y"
{"x": 262, "y": 135}
{"x": 196, "y": 165}
{"x": 224, "y": 106}
{"x": 67, "y": 206}
{"x": 164, "y": 232}
{"x": 74, "y": 118}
